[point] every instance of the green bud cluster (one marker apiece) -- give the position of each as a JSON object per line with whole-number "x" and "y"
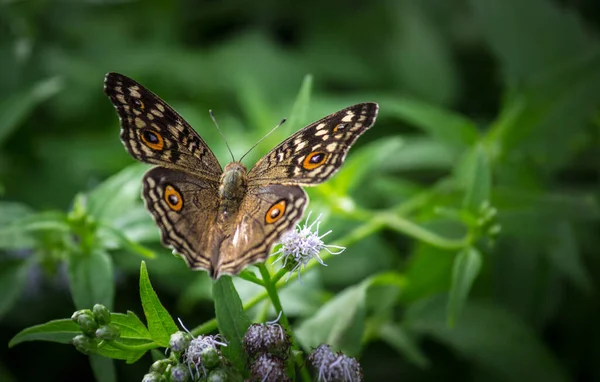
{"x": 95, "y": 326}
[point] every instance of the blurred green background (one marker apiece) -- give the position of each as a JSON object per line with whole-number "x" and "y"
{"x": 525, "y": 73}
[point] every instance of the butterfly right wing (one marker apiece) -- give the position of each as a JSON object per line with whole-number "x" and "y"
{"x": 153, "y": 132}
{"x": 185, "y": 209}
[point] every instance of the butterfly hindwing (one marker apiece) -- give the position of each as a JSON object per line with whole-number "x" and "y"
{"x": 153, "y": 132}
{"x": 184, "y": 207}
{"x": 266, "y": 212}
{"x": 316, "y": 152}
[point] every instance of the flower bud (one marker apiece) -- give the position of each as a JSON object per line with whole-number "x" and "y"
{"x": 102, "y": 314}
{"x": 179, "y": 341}
{"x": 85, "y": 344}
{"x": 180, "y": 373}
{"x": 210, "y": 357}
{"x": 160, "y": 366}
{"x": 87, "y": 324}
{"x": 269, "y": 368}
{"x": 334, "y": 366}
{"x": 217, "y": 375}
{"x": 78, "y": 313}
{"x": 154, "y": 377}
{"x": 108, "y": 332}
{"x": 270, "y": 338}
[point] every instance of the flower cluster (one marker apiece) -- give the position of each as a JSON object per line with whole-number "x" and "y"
{"x": 334, "y": 366}
{"x": 267, "y": 346}
{"x": 95, "y": 327}
{"x": 301, "y": 245}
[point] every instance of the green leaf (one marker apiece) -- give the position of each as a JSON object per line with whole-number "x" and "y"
{"x": 478, "y": 179}
{"x": 447, "y": 127}
{"x": 467, "y": 265}
{"x": 102, "y": 203}
{"x": 300, "y": 108}
{"x": 397, "y": 337}
{"x": 130, "y": 356}
{"x": 16, "y": 234}
{"x": 15, "y": 108}
{"x": 160, "y": 322}
{"x": 339, "y": 323}
{"x": 103, "y": 368}
{"x": 541, "y": 35}
{"x": 91, "y": 279}
{"x": 130, "y": 326}
{"x": 564, "y": 253}
{"x": 231, "y": 320}
{"x": 61, "y": 331}
{"x": 107, "y": 233}
{"x": 492, "y": 338}
{"x": 13, "y": 275}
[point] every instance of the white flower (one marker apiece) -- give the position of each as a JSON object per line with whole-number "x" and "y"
{"x": 301, "y": 245}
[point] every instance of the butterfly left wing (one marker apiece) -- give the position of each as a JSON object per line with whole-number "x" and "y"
{"x": 316, "y": 152}
{"x": 266, "y": 212}
{"x": 185, "y": 208}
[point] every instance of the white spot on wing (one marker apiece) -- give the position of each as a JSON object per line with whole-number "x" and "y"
{"x": 348, "y": 117}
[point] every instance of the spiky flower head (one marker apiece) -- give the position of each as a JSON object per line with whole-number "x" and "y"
{"x": 266, "y": 338}
{"x": 268, "y": 368}
{"x": 203, "y": 353}
{"x": 335, "y": 366}
{"x": 302, "y": 244}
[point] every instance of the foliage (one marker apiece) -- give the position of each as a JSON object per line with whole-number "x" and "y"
{"x": 469, "y": 211}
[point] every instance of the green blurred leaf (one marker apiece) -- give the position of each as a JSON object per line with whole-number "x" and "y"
{"x": 491, "y": 337}
{"x": 160, "y": 323}
{"x": 467, "y": 265}
{"x": 91, "y": 279}
{"x": 107, "y": 233}
{"x": 300, "y": 108}
{"x": 15, "y": 108}
{"x": 541, "y": 34}
{"x": 103, "y": 368}
{"x": 564, "y": 253}
{"x": 428, "y": 272}
{"x": 447, "y": 127}
{"x": 13, "y": 276}
{"x": 395, "y": 336}
{"x": 231, "y": 320}
{"x": 339, "y": 323}
{"x": 478, "y": 179}
{"x": 61, "y": 331}
{"x": 103, "y": 203}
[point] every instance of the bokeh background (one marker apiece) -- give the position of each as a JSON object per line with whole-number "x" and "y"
{"x": 526, "y": 70}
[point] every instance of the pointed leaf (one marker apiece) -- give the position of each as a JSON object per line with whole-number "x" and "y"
{"x": 130, "y": 326}
{"x": 478, "y": 179}
{"x": 467, "y": 265}
{"x": 300, "y": 108}
{"x": 61, "y": 331}
{"x": 160, "y": 322}
{"x": 398, "y": 338}
{"x": 231, "y": 320}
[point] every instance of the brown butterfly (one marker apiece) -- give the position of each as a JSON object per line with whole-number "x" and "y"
{"x": 223, "y": 220}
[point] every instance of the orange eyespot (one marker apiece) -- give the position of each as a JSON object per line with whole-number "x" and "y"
{"x": 314, "y": 160}
{"x": 173, "y": 198}
{"x": 152, "y": 139}
{"x": 275, "y": 212}
{"x": 339, "y": 127}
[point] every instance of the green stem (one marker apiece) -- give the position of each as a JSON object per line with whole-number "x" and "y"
{"x": 271, "y": 288}
{"x": 411, "y": 229}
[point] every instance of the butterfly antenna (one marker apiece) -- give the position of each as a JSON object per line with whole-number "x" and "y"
{"x": 212, "y": 116}
{"x": 263, "y": 138}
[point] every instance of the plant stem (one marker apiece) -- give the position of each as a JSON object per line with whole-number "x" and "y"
{"x": 271, "y": 288}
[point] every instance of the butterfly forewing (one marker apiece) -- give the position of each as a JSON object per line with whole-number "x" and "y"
{"x": 153, "y": 132}
{"x": 316, "y": 152}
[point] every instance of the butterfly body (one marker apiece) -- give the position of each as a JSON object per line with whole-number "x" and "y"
{"x": 222, "y": 220}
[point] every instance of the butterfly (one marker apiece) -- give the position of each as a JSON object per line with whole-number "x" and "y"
{"x": 222, "y": 220}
